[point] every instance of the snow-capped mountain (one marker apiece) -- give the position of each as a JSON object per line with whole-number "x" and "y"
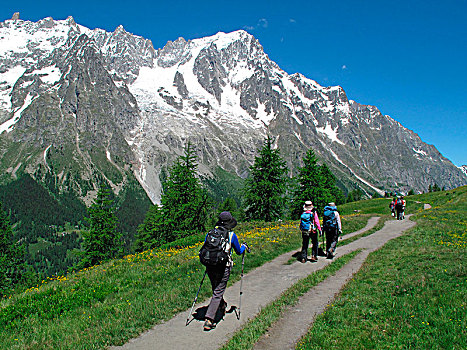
{"x": 88, "y": 104}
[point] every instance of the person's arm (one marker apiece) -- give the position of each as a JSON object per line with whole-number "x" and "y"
{"x": 315, "y": 217}
{"x": 239, "y": 249}
{"x": 338, "y": 218}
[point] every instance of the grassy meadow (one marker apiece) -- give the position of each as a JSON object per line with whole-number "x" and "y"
{"x": 113, "y": 302}
{"x": 412, "y": 293}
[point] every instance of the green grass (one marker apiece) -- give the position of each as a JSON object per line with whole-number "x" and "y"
{"x": 250, "y": 333}
{"x": 113, "y": 302}
{"x": 379, "y": 225}
{"x": 116, "y": 301}
{"x": 412, "y": 293}
{"x": 379, "y": 206}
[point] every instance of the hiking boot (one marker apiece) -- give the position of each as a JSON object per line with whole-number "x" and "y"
{"x": 208, "y": 325}
{"x": 314, "y": 259}
{"x": 329, "y": 255}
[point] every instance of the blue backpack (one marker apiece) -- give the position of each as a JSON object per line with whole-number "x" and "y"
{"x": 306, "y": 222}
{"x": 329, "y": 217}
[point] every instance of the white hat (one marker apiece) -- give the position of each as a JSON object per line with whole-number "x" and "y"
{"x": 308, "y": 205}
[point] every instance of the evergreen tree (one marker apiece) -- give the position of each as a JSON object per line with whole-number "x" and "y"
{"x": 102, "y": 241}
{"x": 355, "y": 195}
{"x": 184, "y": 206}
{"x": 266, "y": 187}
{"x": 184, "y": 202}
{"x": 334, "y": 193}
{"x": 150, "y": 231}
{"x": 311, "y": 185}
{"x": 228, "y": 205}
{"x": 12, "y": 265}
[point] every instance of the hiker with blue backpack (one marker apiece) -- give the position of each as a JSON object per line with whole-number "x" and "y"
{"x": 216, "y": 255}
{"x": 309, "y": 226}
{"x": 400, "y": 208}
{"x": 332, "y": 228}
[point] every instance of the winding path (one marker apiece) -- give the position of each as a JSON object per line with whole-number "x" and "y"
{"x": 294, "y": 324}
{"x": 263, "y": 285}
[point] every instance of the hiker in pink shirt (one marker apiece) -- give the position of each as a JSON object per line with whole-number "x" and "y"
{"x": 309, "y": 226}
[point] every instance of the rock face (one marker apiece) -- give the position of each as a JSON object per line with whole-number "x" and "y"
{"x": 88, "y": 106}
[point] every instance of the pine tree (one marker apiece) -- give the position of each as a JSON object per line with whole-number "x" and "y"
{"x": 184, "y": 202}
{"x": 309, "y": 185}
{"x": 266, "y": 187}
{"x": 354, "y": 195}
{"x": 150, "y": 231}
{"x": 12, "y": 262}
{"x": 334, "y": 193}
{"x": 102, "y": 241}
{"x": 183, "y": 209}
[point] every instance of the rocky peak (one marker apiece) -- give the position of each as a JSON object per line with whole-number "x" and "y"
{"x": 174, "y": 52}
{"x": 15, "y": 16}
{"x": 222, "y": 93}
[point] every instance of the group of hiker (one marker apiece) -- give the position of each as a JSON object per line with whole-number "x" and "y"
{"x": 310, "y": 227}
{"x": 397, "y": 207}
{"x": 216, "y": 252}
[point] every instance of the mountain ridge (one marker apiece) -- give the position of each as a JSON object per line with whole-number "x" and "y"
{"x": 222, "y": 93}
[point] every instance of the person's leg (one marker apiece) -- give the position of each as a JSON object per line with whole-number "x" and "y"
{"x": 221, "y": 278}
{"x": 334, "y": 238}
{"x": 314, "y": 242}
{"x": 305, "y": 243}
{"x": 328, "y": 233}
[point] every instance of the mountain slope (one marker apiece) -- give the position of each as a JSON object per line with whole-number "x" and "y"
{"x": 94, "y": 106}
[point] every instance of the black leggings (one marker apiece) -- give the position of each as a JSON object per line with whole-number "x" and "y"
{"x": 306, "y": 235}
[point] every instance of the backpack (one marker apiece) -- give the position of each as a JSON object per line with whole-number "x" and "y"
{"x": 399, "y": 203}
{"x": 306, "y": 222}
{"x": 214, "y": 250}
{"x": 329, "y": 217}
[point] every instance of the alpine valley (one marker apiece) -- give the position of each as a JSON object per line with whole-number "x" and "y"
{"x": 81, "y": 106}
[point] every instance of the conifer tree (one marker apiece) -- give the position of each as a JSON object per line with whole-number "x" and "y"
{"x": 354, "y": 195}
{"x": 309, "y": 185}
{"x": 150, "y": 231}
{"x": 184, "y": 201}
{"x": 334, "y": 193}
{"x": 102, "y": 241}
{"x": 266, "y": 187}
{"x": 183, "y": 210}
{"x": 12, "y": 263}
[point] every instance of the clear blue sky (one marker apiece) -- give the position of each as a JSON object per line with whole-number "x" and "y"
{"x": 408, "y": 58}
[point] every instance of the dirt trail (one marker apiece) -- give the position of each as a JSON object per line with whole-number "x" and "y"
{"x": 286, "y": 332}
{"x": 260, "y": 287}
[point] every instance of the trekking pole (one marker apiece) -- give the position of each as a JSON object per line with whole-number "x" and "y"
{"x": 196, "y": 298}
{"x": 241, "y": 282}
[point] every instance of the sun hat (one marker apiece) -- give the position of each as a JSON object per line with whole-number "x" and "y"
{"x": 227, "y": 220}
{"x": 308, "y": 205}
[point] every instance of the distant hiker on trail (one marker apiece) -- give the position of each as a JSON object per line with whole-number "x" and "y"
{"x": 219, "y": 262}
{"x": 392, "y": 206}
{"x": 309, "y": 226}
{"x": 332, "y": 228}
{"x": 400, "y": 208}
